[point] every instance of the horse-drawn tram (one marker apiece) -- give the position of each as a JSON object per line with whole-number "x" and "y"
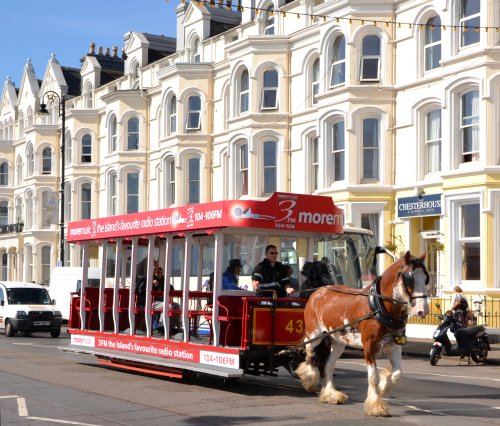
{"x": 161, "y": 306}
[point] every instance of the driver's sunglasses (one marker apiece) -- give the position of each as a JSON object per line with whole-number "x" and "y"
{"x": 273, "y": 252}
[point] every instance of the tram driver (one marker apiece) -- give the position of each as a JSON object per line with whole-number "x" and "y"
{"x": 271, "y": 275}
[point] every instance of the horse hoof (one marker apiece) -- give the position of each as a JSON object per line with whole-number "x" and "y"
{"x": 377, "y": 409}
{"x": 332, "y": 397}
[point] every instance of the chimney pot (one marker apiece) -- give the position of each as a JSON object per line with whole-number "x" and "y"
{"x": 107, "y": 51}
{"x": 92, "y": 49}
{"x": 115, "y": 51}
{"x": 99, "y": 51}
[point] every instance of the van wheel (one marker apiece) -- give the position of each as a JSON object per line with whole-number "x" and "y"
{"x": 55, "y": 333}
{"x": 9, "y": 330}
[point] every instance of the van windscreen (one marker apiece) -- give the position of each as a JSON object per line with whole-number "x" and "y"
{"x": 28, "y": 296}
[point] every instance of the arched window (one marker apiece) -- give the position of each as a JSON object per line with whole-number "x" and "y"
{"x": 170, "y": 181}
{"x": 86, "y": 155}
{"x": 338, "y": 151}
{"x": 270, "y": 90}
{"x": 194, "y": 113}
{"x": 469, "y": 124}
{"x": 4, "y": 174}
{"x": 370, "y": 149}
{"x": 30, "y": 117}
{"x": 28, "y": 262}
{"x": 21, "y": 124}
{"x": 314, "y": 163}
{"x": 30, "y": 161}
{"x": 132, "y": 192}
{"x": 87, "y": 95}
{"x": 49, "y": 208}
{"x": 269, "y": 20}
{"x": 315, "y": 82}
{"x": 172, "y": 115}
{"x": 19, "y": 210}
{"x": 370, "y": 59}
{"x": 337, "y": 76}
{"x": 46, "y": 161}
{"x": 432, "y": 47}
{"x": 194, "y": 174}
{"x": 134, "y": 75}
{"x": 470, "y": 19}
{"x": 113, "y": 195}
{"x": 5, "y": 266}
{"x": 19, "y": 170}
{"x": 244, "y": 95}
{"x": 4, "y": 213}
{"x": 113, "y": 134}
{"x": 196, "y": 50}
{"x": 433, "y": 141}
{"x": 86, "y": 201}
{"x": 45, "y": 265}
{"x": 68, "y": 148}
{"x": 133, "y": 134}
{"x": 241, "y": 169}
{"x": 29, "y": 210}
{"x": 270, "y": 167}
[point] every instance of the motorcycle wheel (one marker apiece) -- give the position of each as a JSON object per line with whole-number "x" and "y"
{"x": 479, "y": 352}
{"x": 435, "y": 352}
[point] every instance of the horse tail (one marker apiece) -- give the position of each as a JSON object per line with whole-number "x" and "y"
{"x": 310, "y": 371}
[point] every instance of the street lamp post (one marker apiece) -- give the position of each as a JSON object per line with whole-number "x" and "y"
{"x": 61, "y": 102}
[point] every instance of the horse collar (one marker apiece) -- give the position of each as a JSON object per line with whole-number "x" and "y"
{"x": 379, "y": 312}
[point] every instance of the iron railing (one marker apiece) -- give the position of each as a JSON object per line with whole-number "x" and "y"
{"x": 489, "y": 314}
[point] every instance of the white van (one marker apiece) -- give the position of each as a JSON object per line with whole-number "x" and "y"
{"x": 66, "y": 280}
{"x": 27, "y": 308}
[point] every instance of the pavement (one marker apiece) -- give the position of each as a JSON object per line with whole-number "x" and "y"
{"x": 420, "y": 342}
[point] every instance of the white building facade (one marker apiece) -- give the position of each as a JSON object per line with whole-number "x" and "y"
{"x": 375, "y": 104}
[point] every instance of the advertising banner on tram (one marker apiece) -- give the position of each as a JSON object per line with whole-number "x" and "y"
{"x": 282, "y": 211}
{"x": 198, "y": 354}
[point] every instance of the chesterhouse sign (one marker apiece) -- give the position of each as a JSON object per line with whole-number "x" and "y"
{"x": 425, "y": 205}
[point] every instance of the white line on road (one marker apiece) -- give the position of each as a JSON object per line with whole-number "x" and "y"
{"x": 434, "y": 413}
{"x": 21, "y": 407}
{"x": 408, "y": 372}
{"x": 9, "y": 396}
{"x": 65, "y": 422}
{"x": 34, "y": 345}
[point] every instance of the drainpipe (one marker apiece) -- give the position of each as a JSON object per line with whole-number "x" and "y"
{"x": 145, "y": 95}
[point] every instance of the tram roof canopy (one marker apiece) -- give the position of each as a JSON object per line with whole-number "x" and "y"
{"x": 285, "y": 211}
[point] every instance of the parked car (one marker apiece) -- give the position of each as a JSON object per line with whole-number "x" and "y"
{"x": 27, "y": 308}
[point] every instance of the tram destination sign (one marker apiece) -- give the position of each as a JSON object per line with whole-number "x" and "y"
{"x": 425, "y": 205}
{"x": 284, "y": 211}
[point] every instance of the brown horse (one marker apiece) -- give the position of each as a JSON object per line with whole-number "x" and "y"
{"x": 376, "y": 317}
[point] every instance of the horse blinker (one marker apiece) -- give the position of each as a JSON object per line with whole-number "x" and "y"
{"x": 408, "y": 280}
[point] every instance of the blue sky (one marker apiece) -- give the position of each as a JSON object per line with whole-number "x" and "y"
{"x": 35, "y": 29}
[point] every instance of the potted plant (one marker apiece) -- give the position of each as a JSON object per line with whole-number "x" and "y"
{"x": 391, "y": 246}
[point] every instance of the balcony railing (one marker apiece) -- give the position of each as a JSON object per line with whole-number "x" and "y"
{"x": 11, "y": 228}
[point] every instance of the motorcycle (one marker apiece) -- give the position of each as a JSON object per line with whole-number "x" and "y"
{"x": 471, "y": 341}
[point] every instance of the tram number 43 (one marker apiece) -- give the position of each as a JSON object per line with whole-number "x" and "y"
{"x": 295, "y": 326}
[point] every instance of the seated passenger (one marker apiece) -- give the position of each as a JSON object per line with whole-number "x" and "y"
{"x": 271, "y": 275}
{"x": 231, "y": 275}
